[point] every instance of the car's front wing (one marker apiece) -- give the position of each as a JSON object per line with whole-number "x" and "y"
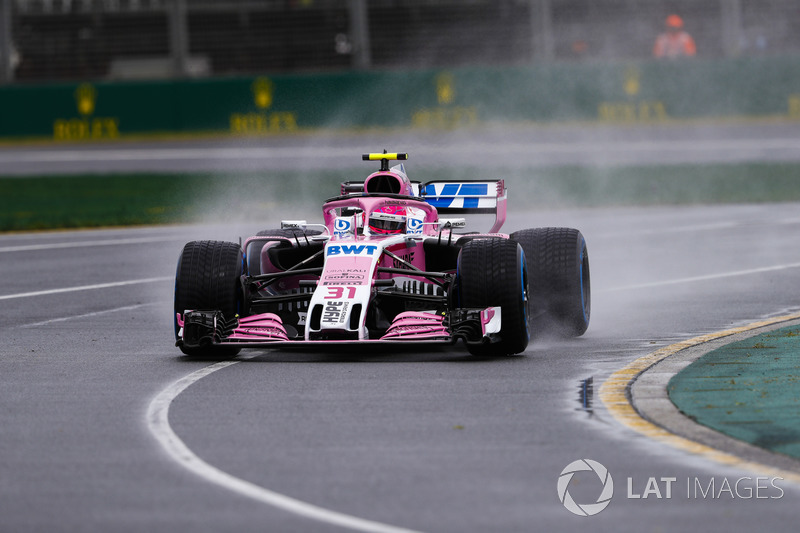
{"x": 206, "y": 328}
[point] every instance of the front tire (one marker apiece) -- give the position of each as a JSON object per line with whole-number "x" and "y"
{"x": 492, "y": 272}
{"x": 208, "y": 277}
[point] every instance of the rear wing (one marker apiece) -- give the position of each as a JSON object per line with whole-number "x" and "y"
{"x": 455, "y": 197}
{"x": 465, "y": 197}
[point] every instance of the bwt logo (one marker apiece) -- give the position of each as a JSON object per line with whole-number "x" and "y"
{"x": 342, "y": 224}
{"x": 352, "y": 249}
{"x": 586, "y": 509}
{"x": 414, "y": 225}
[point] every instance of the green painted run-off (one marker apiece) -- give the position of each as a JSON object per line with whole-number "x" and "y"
{"x": 749, "y": 390}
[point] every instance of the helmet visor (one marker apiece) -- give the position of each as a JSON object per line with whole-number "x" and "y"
{"x": 387, "y": 223}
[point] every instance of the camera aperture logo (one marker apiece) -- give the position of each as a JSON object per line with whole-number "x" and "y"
{"x": 585, "y": 509}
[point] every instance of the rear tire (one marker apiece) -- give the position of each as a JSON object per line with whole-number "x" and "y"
{"x": 208, "y": 278}
{"x": 491, "y": 272}
{"x": 560, "y": 287}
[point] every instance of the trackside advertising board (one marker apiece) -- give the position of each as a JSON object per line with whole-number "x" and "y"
{"x": 439, "y": 99}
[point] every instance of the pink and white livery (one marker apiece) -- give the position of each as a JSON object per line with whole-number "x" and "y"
{"x": 383, "y": 267}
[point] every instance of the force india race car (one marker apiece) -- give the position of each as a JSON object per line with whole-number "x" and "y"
{"x": 384, "y": 268}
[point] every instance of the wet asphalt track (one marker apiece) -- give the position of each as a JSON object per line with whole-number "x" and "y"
{"x": 433, "y": 441}
{"x": 495, "y": 147}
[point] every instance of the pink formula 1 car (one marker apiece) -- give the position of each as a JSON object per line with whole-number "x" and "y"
{"x": 383, "y": 268}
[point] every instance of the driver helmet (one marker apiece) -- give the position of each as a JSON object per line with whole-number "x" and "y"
{"x": 388, "y": 220}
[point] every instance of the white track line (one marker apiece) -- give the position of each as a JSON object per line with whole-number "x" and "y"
{"x": 85, "y": 287}
{"x": 702, "y": 278}
{"x": 85, "y": 315}
{"x": 158, "y": 424}
{"x": 82, "y": 244}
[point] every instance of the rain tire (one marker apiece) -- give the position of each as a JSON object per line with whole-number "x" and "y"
{"x": 559, "y": 301}
{"x": 208, "y": 277}
{"x": 492, "y": 272}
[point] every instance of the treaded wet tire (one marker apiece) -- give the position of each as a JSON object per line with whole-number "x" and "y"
{"x": 559, "y": 300}
{"x": 208, "y": 277}
{"x": 491, "y": 272}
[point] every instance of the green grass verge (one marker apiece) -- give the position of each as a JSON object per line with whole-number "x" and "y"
{"x": 75, "y": 201}
{"x": 45, "y": 202}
